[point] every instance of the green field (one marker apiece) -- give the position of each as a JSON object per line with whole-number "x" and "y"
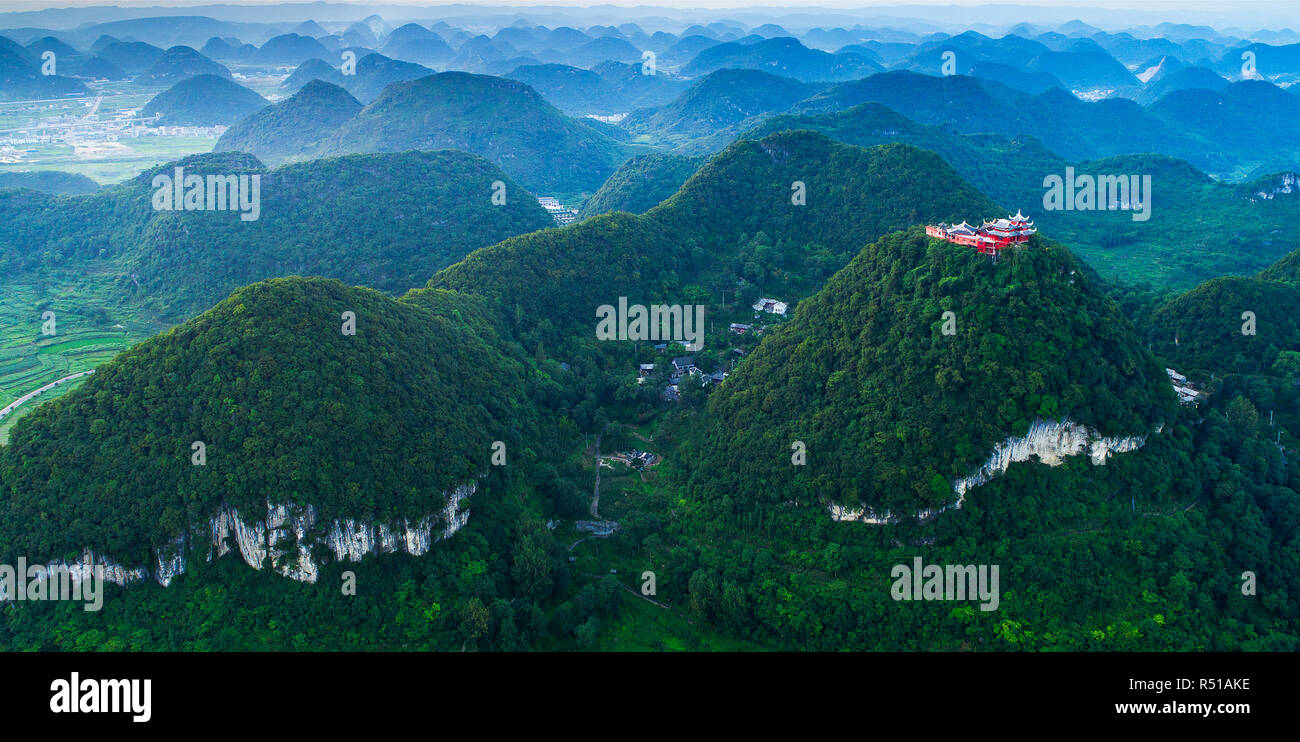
{"x": 115, "y": 164}
{"x": 88, "y": 331}
{"x": 77, "y": 135}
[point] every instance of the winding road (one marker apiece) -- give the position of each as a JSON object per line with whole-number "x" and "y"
{"x": 28, "y": 396}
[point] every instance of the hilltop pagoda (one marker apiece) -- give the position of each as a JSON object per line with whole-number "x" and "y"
{"x": 989, "y": 237}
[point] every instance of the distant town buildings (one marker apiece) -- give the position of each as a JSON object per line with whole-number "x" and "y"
{"x": 93, "y": 134}
{"x": 558, "y": 211}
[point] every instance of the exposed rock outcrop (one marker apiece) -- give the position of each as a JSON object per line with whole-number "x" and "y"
{"x": 78, "y": 570}
{"x": 287, "y": 535}
{"x": 1049, "y": 441}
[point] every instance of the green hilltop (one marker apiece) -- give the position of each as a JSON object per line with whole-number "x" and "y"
{"x": 291, "y": 129}
{"x": 641, "y": 183}
{"x": 388, "y": 221}
{"x": 690, "y": 245}
{"x": 380, "y": 423}
{"x": 865, "y": 373}
{"x": 502, "y": 120}
{"x": 203, "y": 100}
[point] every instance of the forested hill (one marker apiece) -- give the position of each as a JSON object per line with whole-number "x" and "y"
{"x": 867, "y": 379}
{"x": 992, "y": 163}
{"x": 388, "y": 221}
{"x": 380, "y": 423}
{"x": 49, "y": 181}
{"x": 203, "y": 100}
{"x": 687, "y": 249}
{"x": 293, "y": 128}
{"x": 1231, "y": 132}
{"x": 716, "y": 103}
{"x": 1287, "y": 268}
{"x": 1207, "y": 330}
{"x": 503, "y": 120}
{"x": 1144, "y": 553}
{"x": 641, "y": 183}
{"x": 1196, "y": 228}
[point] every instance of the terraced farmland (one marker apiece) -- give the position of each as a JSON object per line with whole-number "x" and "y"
{"x": 85, "y": 333}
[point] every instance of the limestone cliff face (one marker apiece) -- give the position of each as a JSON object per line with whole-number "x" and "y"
{"x": 286, "y": 534}
{"x": 170, "y": 561}
{"x": 1049, "y": 441}
{"x": 84, "y": 568}
{"x": 1288, "y": 183}
{"x": 861, "y": 515}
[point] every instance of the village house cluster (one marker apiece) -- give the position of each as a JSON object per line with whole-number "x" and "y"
{"x": 681, "y": 367}
{"x": 684, "y": 366}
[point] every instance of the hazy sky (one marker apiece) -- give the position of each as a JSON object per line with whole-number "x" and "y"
{"x": 1242, "y": 14}
{"x": 1157, "y": 5}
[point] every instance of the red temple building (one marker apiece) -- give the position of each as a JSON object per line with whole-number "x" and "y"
{"x": 990, "y": 237}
